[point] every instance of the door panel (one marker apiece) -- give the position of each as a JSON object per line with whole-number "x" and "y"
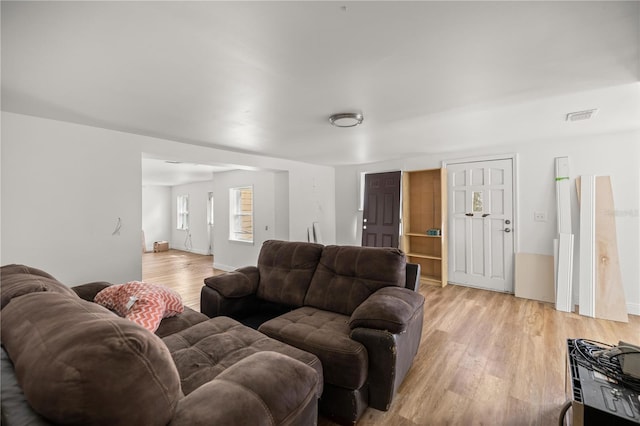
{"x": 458, "y": 259}
{"x": 381, "y": 215}
{"x": 387, "y": 240}
{"x": 371, "y": 240}
{"x": 481, "y": 248}
{"x": 477, "y": 246}
{"x": 388, "y": 210}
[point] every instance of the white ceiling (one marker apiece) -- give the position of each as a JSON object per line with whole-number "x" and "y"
{"x": 263, "y": 77}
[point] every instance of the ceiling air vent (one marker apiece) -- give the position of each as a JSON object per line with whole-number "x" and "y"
{"x": 581, "y": 115}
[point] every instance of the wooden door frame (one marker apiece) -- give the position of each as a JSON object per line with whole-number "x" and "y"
{"x": 516, "y": 199}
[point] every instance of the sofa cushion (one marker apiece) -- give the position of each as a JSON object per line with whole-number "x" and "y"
{"x": 389, "y": 309}
{"x": 325, "y": 334}
{"x": 347, "y": 275}
{"x": 285, "y": 385}
{"x": 286, "y": 269}
{"x": 207, "y": 349}
{"x": 180, "y": 322}
{"x": 18, "y": 280}
{"x": 78, "y": 363}
{"x": 264, "y": 389}
{"x": 142, "y": 303}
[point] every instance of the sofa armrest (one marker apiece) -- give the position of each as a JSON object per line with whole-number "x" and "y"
{"x": 213, "y": 304}
{"x": 389, "y": 308}
{"x": 266, "y": 388}
{"x": 231, "y": 294}
{"x": 239, "y": 283}
{"x": 390, "y": 357}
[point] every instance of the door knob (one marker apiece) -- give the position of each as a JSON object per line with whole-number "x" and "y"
{"x": 507, "y": 230}
{"x": 364, "y": 227}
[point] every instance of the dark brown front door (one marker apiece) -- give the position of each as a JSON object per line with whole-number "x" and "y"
{"x": 381, "y": 216}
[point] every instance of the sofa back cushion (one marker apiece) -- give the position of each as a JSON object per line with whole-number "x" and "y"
{"x": 88, "y": 291}
{"x": 346, "y": 276}
{"x": 78, "y": 363}
{"x": 286, "y": 269}
{"x": 18, "y": 280}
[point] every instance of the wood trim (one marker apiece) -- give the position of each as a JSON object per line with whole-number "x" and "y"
{"x": 534, "y": 277}
{"x": 610, "y": 300}
{"x": 444, "y": 247}
{"x": 586, "y": 199}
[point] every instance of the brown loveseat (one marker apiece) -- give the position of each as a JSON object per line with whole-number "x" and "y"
{"x": 347, "y": 305}
{"x": 66, "y": 360}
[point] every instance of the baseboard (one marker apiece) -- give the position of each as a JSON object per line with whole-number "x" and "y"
{"x": 194, "y": 251}
{"x": 199, "y": 251}
{"x": 222, "y": 267}
{"x": 632, "y": 308}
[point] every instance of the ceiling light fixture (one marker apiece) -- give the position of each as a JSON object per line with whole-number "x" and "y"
{"x": 346, "y": 119}
{"x": 581, "y": 115}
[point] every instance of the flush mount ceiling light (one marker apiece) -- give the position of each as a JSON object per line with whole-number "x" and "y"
{"x": 581, "y": 115}
{"x": 346, "y": 119}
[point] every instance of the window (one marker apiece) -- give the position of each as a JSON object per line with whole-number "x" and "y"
{"x": 241, "y": 214}
{"x": 183, "y": 212}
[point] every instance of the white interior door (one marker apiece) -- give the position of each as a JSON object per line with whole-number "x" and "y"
{"x": 481, "y": 244}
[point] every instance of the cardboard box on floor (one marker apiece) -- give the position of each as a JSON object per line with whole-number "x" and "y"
{"x": 160, "y": 246}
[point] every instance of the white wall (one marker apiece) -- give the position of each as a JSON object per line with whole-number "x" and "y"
{"x": 228, "y": 255}
{"x": 156, "y": 214}
{"x": 616, "y": 155}
{"x": 281, "y": 188}
{"x": 308, "y": 194}
{"x": 64, "y": 186}
{"x": 63, "y": 189}
{"x": 196, "y": 239}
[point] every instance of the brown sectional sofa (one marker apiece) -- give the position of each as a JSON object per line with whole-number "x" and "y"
{"x": 353, "y": 307}
{"x": 66, "y": 360}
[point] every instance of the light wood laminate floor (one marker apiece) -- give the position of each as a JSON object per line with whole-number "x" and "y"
{"x": 486, "y": 358}
{"x": 179, "y": 270}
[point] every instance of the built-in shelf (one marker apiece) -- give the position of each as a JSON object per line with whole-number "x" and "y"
{"x": 431, "y": 280}
{"x": 424, "y": 256}
{"x": 424, "y": 206}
